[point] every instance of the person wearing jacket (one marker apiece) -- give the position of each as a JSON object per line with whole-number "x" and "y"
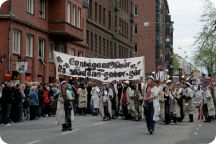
{"x": 151, "y": 104}
{"x": 82, "y": 99}
{"x": 68, "y": 106}
{"x": 105, "y": 103}
{"x": 210, "y": 104}
{"x": 6, "y": 103}
{"x": 33, "y": 102}
{"x": 189, "y": 106}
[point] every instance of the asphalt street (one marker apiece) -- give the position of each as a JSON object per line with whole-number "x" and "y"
{"x": 92, "y": 130}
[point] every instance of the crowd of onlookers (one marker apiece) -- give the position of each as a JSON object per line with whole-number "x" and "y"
{"x": 26, "y": 101}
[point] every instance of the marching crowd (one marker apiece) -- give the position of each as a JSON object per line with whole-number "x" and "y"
{"x": 155, "y": 100}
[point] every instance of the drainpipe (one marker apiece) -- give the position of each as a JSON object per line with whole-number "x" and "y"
{"x": 9, "y": 35}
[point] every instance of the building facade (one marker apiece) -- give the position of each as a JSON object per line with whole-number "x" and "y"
{"x": 109, "y": 27}
{"x": 31, "y": 30}
{"x": 153, "y": 34}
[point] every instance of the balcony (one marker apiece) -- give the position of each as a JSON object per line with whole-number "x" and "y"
{"x": 168, "y": 44}
{"x": 168, "y": 18}
{"x": 167, "y": 57}
{"x": 168, "y": 31}
{"x": 116, "y": 5}
{"x": 66, "y": 30}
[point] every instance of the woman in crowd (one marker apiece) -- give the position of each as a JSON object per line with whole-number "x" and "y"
{"x": 95, "y": 98}
{"x": 105, "y": 103}
{"x": 82, "y": 99}
{"x": 167, "y": 99}
{"x": 33, "y": 102}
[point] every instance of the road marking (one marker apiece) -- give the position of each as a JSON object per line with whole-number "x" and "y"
{"x": 195, "y": 133}
{"x": 34, "y": 142}
{"x": 73, "y": 131}
{"x": 99, "y": 123}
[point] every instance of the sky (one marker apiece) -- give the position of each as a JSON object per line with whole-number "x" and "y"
{"x": 186, "y": 15}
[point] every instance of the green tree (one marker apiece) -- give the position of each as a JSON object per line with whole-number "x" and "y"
{"x": 176, "y": 64}
{"x": 205, "y": 42}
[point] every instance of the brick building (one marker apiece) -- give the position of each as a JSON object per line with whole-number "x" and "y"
{"x": 31, "y": 30}
{"x": 153, "y": 33}
{"x": 109, "y": 27}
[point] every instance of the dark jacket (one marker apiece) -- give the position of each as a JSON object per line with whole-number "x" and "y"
{"x": 6, "y": 95}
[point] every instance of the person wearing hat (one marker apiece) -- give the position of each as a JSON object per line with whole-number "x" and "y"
{"x": 151, "y": 106}
{"x": 67, "y": 101}
{"x": 189, "y": 106}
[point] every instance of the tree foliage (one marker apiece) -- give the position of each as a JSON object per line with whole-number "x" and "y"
{"x": 176, "y": 63}
{"x": 206, "y": 39}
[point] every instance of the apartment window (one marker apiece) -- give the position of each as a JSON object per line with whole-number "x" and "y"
{"x": 87, "y": 37}
{"x": 79, "y": 18}
{"x": 116, "y": 21}
{"x": 135, "y": 11}
{"x": 29, "y": 45}
{"x": 96, "y": 47}
{"x": 135, "y": 48}
{"x": 107, "y": 48}
{"x": 74, "y": 15}
{"x": 95, "y": 11}
{"x": 90, "y": 9}
{"x": 30, "y": 6}
{"x": 91, "y": 41}
{"x": 109, "y": 20}
{"x": 135, "y": 29}
{"x": 16, "y": 41}
{"x": 51, "y": 50}
{"x": 41, "y": 48}
{"x": 80, "y": 54}
{"x": 100, "y": 47}
{"x": 104, "y": 16}
{"x": 61, "y": 48}
{"x": 42, "y": 9}
{"x": 100, "y": 13}
{"x": 69, "y": 12}
{"x": 72, "y": 52}
{"x": 104, "y": 45}
{"x": 111, "y": 49}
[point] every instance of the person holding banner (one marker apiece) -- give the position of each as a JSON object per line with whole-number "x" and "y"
{"x": 151, "y": 103}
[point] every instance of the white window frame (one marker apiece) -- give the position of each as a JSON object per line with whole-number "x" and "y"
{"x": 80, "y": 54}
{"x": 42, "y": 11}
{"x": 41, "y": 47}
{"x": 135, "y": 48}
{"x": 30, "y": 6}
{"x": 29, "y": 45}
{"x": 69, "y": 12}
{"x": 135, "y": 29}
{"x": 74, "y": 15}
{"x": 135, "y": 10}
{"x": 71, "y": 52}
{"x": 16, "y": 41}
{"x": 78, "y": 22}
{"x": 51, "y": 49}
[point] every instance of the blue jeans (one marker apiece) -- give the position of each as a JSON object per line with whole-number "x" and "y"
{"x": 149, "y": 113}
{"x": 6, "y": 113}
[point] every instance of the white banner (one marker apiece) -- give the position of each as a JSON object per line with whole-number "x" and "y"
{"x": 106, "y": 70}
